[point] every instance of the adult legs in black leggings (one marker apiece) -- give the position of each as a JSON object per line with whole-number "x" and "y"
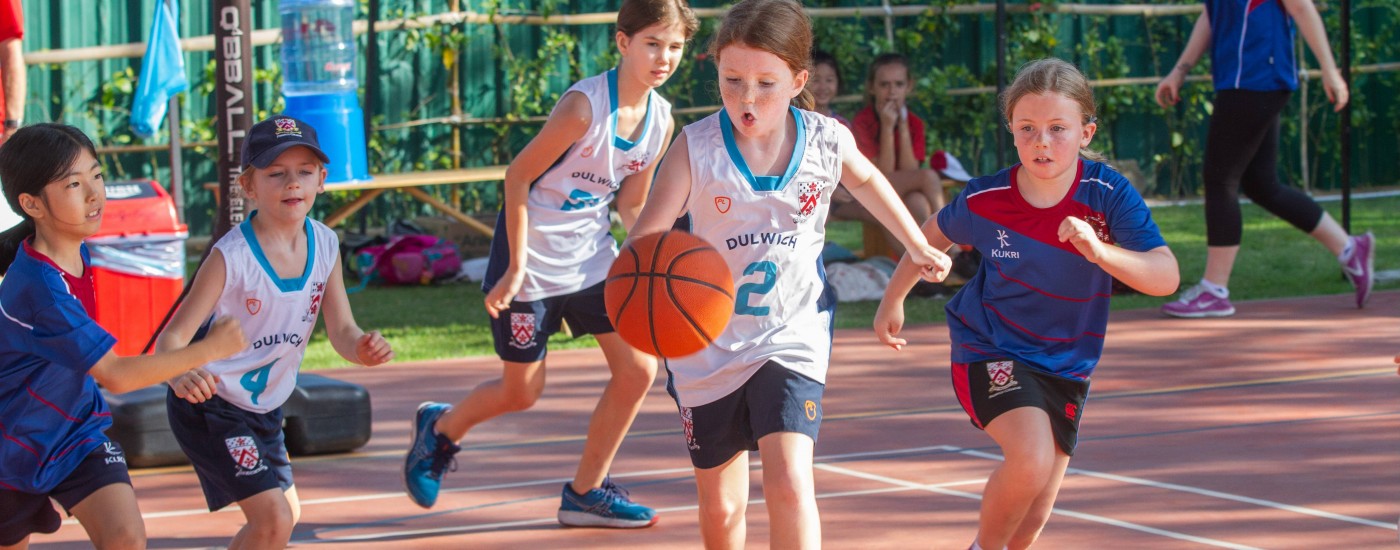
{"x": 1242, "y": 154}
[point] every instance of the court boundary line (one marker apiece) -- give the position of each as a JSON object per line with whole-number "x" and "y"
{"x": 754, "y": 464}
{"x": 462, "y": 529}
{"x": 889, "y": 453}
{"x": 1263, "y": 503}
{"x": 1056, "y": 510}
{"x": 556, "y": 440}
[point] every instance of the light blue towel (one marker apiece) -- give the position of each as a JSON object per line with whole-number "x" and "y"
{"x": 162, "y": 71}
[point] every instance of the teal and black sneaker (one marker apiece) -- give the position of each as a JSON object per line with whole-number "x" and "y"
{"x": 430, "y": 455}
{"x": 606, "y": 506}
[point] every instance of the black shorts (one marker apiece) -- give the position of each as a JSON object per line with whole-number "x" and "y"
{"x": 520, "y": 333}
{"x": 236, "y": 453}
{"x": 986, "y": 389}
{"x": 28, "y": 513}
{"x": 775, "y": 399}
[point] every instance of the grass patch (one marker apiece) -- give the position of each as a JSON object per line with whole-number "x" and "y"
{"x": 1276, "y": 261}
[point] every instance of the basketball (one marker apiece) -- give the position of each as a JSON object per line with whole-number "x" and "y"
{"x": 669, "y": 294}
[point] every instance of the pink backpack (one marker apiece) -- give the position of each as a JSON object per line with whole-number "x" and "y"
{"x": 411, "y": 259}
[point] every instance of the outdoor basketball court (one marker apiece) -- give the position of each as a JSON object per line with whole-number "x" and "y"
{"x": 1276, "y": 428}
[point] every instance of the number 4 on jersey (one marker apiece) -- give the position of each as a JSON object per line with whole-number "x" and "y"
{"x": 255, "y": 381}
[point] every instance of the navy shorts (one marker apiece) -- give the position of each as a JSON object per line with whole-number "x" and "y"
{"x": 522, "y": 331}
{"x": 986, "y": 389}
{"x": 28, "y": 513}
{"x": 775, "y": 399}
{"x": 236, "y": 453}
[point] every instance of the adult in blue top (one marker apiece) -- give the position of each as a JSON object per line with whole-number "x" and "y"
{"x": 1255, "y": 71}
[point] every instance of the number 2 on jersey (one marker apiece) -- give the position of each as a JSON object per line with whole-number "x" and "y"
{"x": 255, "y": 381}
{"x": 741, "y": 296}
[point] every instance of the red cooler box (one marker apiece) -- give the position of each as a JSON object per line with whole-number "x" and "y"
{"x": 138, "y": 262}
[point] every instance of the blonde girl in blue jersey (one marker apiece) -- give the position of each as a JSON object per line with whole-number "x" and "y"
{"x": 274, "y": 272}
{"x": 53, "y": 355}
{"x": 1027, "y": 330}
{"x": 755, "y": 181}
{"x": 551, "y": 253}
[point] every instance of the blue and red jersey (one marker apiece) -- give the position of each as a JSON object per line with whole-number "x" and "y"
{"x": 51, "y": 413}
{"x": 1035, "y": 298}
{"x": 1251, "y": 46}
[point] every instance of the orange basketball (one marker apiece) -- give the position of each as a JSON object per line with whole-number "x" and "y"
{"x": 669, "y": 294}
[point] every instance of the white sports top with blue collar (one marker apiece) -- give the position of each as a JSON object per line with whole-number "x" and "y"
{"x": 770, "y": 230}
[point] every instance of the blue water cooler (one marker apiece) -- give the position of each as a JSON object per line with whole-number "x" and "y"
{"x": 319, "y": 84}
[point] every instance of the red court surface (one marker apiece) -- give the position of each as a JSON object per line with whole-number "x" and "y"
{"x": 1275, "y": 428}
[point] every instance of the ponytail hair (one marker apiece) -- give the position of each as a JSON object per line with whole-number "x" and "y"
{"x": 805, "y": 100}
{"x": 10, "y": 240}
{"x": 31, "y": 158}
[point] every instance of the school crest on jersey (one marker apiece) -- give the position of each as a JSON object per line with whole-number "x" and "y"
{"x": 688, "y": 423}
{"x": 317, "y": 289}
{"x": 723, "y": 203}
{"x": 809, "y": 195}
{"x": 254, "y": 305}
{"x": 634, "y": 163}
{"x": 245, "y": 455}
{"x": 1001, "y": 378}
{"x": 522, "y": 330}
{"x": 1100, "y": 225}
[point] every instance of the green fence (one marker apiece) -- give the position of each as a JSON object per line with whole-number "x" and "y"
{"x": 506, "y": 76}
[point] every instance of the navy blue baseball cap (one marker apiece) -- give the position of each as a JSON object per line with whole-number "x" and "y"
{"x": 269, "y": 138}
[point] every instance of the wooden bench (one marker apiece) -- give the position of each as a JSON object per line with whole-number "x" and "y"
{"x": 409, "y": 183}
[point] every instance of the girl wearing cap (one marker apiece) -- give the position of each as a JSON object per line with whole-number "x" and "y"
{"x": 274, "y": 273}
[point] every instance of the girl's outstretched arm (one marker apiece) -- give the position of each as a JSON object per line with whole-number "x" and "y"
{"x": 1153, "y": 272}
{"x": 195, "y": 385}
{"x": 124, "y": 374}
{"x": 870, "y": 187}
{"x": 669, "y": 192}
{"x": 354, "y": 345}
{"x": 566, "y": 125}
{"x": 889, "y": 318}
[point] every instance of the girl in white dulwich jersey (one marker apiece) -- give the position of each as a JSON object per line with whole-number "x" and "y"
{"x": 274, "y": 272}
{"x": 755, "y": 180}
{"x": 550, "y": 256}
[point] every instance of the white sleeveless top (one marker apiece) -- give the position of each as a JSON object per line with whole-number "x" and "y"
{"x": 277, "y": 315}
{"x": 570, "y": 246}
{"x": 770, "y": 231}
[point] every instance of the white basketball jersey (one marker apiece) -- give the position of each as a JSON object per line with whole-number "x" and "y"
{"x": 770, "y": 231}
{"x": 277, "y": 315}
{"x": 570, "y": 247}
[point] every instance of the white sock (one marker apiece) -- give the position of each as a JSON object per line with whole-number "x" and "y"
{"x": 1217, "y": 290}
{"x": 1345, "y": 256}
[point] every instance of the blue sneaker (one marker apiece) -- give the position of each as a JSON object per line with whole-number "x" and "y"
{"x": 606, "y": 506}
{"x": 429, "y": 456}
